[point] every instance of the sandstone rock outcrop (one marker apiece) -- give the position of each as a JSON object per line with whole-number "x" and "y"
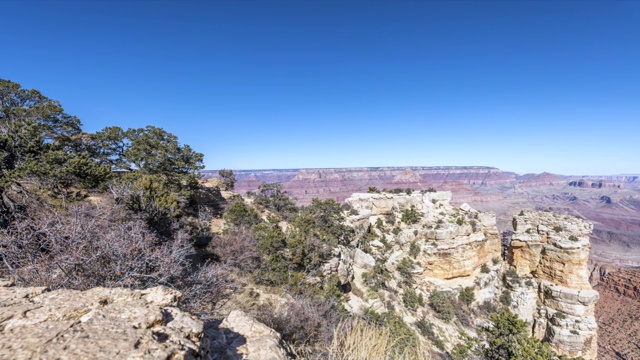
{"x": 550, "y": 280}
{"x": 99, "y": 323}
{"x": 452, "y": 241}
{"x": 249, "y": 339}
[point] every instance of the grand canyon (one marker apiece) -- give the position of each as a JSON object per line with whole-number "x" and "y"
{"x": 611, "y": 203}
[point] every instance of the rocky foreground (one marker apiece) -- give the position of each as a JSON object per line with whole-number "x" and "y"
{"x": 120, "y": 323}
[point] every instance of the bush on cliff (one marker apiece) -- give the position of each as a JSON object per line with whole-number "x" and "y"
{"x": 506, "y": 338}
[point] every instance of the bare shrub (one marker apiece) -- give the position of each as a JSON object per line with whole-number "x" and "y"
{"x": 462, "y": 312}
{"x": 237, "y": 247}
{"x": 204, "y": 288}
{"x": 306, "y": 324}
{"x": 357, "y": 339}
{"x": 87, "y": 246}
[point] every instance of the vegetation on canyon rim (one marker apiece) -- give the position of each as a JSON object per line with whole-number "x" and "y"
{"x": 124, "y": 207}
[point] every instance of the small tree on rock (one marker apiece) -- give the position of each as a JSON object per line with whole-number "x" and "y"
{"x": 228, "y": 179}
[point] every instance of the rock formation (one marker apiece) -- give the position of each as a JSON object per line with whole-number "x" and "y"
{"x": 612, "y": 203}
{"x": 118, "y": 323}
{"x": 454, "y": 242}
{"x": 550, "y": 280}
{"x": 97, "y": 323}
{"x": 448, "y": 248}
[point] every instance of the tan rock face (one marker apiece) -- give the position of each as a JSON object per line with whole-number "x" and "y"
{"x": 251, "y": 339}
{"x": 99, "y": 324}
{"x": 553, "y": 251}
{"x": 552, "y": 247}
{"x": 453, "y": 241}
{"x": 459, "y": 258}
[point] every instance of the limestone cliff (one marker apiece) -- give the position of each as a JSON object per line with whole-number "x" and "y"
{"x": 454, "y": 241}
{"x": 550, "y": 280}
{"x": 425, "y": 244}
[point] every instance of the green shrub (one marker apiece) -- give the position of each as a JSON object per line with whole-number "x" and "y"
{"x": 377, "y": 277}
{"x": 573, "y": 238}
{"x": 411, "y": 216}
{"x": 521, "y": 213}
{"x": 505, "y": 298}
{"x": 412, "y": 300}
{"x": 467, "y": 295}
{"x": 558, "y": 229}
{"x": 274, "y": 198}
{"x": 485, "y": 269}
{"x": 414, "y": 249}
{"x": 239, "y": 214}
{"x": 405, "y": 269}
{"x": 560, "y": 315}
{"x": 440, "y": 302}
{"x": 574, "y": 332}
{"x": 507, "y": 338}
{"x": 459, "y": 221}
{"x": 396, "y": 231}
{"x": 495, "y": 260}
{"x": 427, "y": 330}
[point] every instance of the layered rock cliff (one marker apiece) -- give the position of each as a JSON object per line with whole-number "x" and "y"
{"x": 453, "y": 241}
{"x": 549, "y": 254}
{"x": 447, "y": 249}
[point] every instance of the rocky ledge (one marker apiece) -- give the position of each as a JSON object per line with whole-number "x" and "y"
{"x": 97, "y": 323}
{"x": 118, "y": 323}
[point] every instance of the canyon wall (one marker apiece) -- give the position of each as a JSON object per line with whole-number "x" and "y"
{"x": 549, "y": 254}
{"x": 611, "y": 203}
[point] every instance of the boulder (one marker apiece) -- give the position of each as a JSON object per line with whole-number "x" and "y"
{"x": 251, "y": 339}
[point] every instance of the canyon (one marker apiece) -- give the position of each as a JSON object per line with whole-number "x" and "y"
{"x": 611, "y": 203}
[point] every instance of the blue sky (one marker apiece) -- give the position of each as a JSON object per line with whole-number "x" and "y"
{"x": 521, "y": 85}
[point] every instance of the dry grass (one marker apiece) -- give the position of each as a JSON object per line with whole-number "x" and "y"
{"x": 355, "y": 339}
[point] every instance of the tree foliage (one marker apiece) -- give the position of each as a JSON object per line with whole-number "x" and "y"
{"x": 274, "y": 198}
{"x": 238, "y": 214}
{"x": 440, "y": 302}
{"x": 507, "y": 338}
{"x": 39, "y": 141}
{"x": 228, "y": 179}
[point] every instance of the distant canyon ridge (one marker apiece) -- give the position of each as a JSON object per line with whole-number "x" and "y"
{"x": 611, "y": 202}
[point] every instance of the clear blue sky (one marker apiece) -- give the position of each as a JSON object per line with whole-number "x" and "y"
{"x": 521, "y": 85}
